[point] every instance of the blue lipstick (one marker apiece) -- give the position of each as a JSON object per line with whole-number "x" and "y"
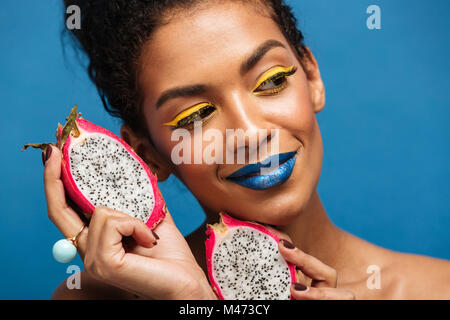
{"x": 253, "y": 176}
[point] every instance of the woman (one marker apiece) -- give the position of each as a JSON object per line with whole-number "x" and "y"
{"x": 227, "y": 65}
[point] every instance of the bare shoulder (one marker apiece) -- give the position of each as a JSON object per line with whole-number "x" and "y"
{"x": 91, "y": 289}
{"x": 414, "y": 276}
{"x": 398, "y": 275}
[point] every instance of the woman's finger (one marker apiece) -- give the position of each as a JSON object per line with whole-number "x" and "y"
{"x": 107, "y": 256}
{"x": 302, "y": 278}
{"x": 168, "y": 217}
{"x": 139, "y": 231}
{"x": 302, "y": 292}
{"x": 108, "y": 227}
{"x": 59, "y": 212}
{"x": 282, "y": 236}
{"x": 322, "y": 275}
{"x": 119, "y": 225}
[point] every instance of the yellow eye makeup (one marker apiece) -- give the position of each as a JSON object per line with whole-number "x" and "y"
{"x": 271, "y": 82}
{"x": 188, "y": 116}
{"x": 274, "y": 80}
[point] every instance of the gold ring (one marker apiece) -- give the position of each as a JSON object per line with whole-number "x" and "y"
{"x": 74, "y": 239}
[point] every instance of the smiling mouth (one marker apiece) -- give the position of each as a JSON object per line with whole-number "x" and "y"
{"x": 255, "y": 169}
{"x": 267, "y": 174}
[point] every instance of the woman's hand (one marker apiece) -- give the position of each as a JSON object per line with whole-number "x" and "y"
{"x": 121, "y": 250}
{"x": 316, "y": 280}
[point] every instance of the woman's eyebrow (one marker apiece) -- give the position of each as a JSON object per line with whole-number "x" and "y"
{"x": 247, "y": 65}
{"x": 258, "y": 53}
{"x": 190, "y": 90}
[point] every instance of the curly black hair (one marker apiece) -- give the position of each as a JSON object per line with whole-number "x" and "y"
{"x": 113, "y": 33}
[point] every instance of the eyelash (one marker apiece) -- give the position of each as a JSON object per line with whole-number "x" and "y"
{"x": 280, "y": 75}
{"x": 209, "y": 109}
{"x": 189, "y": 120}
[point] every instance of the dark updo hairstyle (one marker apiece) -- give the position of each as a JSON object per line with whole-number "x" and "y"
{"x": 113, "y": 33}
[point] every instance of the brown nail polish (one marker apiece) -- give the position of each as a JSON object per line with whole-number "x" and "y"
{"x": 155, "y": 235}
{"x": 287, "y": 244}
{"x": 299, "y": 286}
{"x": 48, "y": 153}
{"x": 155, "y": 243}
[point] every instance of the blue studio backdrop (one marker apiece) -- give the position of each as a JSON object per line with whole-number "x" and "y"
{"x": 385, "y": 129}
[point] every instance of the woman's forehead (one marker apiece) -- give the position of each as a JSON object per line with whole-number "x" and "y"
{"x": 216, "y": 37}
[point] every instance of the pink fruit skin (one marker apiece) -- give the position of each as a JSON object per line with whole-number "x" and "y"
{"x": 75, "y": 194}
{"x": 231, "y": 222}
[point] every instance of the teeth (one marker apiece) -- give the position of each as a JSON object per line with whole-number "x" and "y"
{"x": 262, "y": 167}
{"x": 263, "y": 171}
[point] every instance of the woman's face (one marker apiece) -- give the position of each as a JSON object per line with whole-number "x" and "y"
{"x": 208, "y": 49}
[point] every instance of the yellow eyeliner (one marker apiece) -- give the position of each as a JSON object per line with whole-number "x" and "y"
{"x": 186, "y": 113}
{"x": 270, "y": 73}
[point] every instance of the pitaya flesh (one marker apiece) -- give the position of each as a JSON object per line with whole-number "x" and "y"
{"x": 244, "y": 262}
{"x": 99, "y": 168}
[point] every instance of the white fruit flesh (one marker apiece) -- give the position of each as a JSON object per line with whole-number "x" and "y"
{"x": 107, "y": 174}
{"x": 247, "y": 265}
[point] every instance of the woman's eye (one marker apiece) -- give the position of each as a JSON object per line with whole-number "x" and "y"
{"x": 274, "y": 82}
{"x": 187, "y": 118}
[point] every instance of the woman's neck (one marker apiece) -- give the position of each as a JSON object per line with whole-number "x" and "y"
{"x": 314, "y": 233}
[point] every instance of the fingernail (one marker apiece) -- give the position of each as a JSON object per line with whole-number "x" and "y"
{"x": 48, "y": 153}
{"x": 287, "y": 244}
{"x": 299, "y": 287}
{"x": 43, "y": 157}
{"x": 155, "y": 243}
{"x": 155, "y": 235}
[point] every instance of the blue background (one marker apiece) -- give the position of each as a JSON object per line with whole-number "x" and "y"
{"x": 385, "y": 129}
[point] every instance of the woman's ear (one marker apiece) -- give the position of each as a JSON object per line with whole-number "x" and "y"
{"x": 145, "y": 149}
{"x": 316, "y": 87}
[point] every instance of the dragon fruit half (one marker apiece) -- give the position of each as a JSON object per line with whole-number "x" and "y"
{"x": 244, "y": 262}
{"x": 99, "y": 168}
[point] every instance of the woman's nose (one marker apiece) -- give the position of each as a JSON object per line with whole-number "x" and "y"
{"x": 247, "y": 130}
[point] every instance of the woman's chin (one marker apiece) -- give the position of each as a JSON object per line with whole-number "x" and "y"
{"x": 276, "y": 213}
{"x": 278, "y": 218}
{"x": 278, "y": 209}
{"x": 277, "y": 206}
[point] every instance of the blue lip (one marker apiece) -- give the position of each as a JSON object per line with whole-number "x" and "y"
{"x": 246, "y": 176}
{"x": 256, "y": 167}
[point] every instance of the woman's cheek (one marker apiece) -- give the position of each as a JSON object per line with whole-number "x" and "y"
{"x": 294, "y": 113}
{"x": 198, "y": 177}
